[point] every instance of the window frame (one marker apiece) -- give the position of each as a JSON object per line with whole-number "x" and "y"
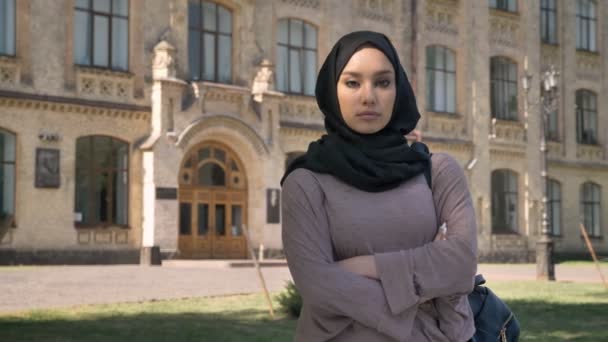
{"x": 506, "y": 7}
{"x": 546, "y": 11}
{"x": 13, "y": 223}
{"x": 594, "y": 205}
{"x": 554, "y": 200}
{"x": 12, "y": 53}
{"x": 91, "y": 12}
{"x": 505, "y": 192}
{"x": 444, "y": 70}
{"x": 582, "y": 115}
{"x": 216, "y": 34}
{"x": 505, "y": 85}
{"x": 591, "y": 25}
{"x": 92, "y": 172}
{"x": 301, "y": 51}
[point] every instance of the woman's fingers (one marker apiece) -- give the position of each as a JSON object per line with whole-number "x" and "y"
{"x": 443, "y": 233}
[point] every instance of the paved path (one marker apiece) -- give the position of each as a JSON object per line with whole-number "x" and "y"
{"x": 23, "y": 288}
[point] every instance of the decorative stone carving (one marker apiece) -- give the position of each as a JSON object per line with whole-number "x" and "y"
{"x": 555, "y": 150}
{"x": 441, "y": 16}
{"x": 9, "y": 71}
{"x": 446, "y": 125}
{"x": 303, "y": 3}
{"x": 300, "y": 110}
{"x": 380, "y": 10}
{"x": 504, "y": 29}
{"x": 262, "y": 81}
{"x": 550, "y": 56}
{"x": 163, "y": 65}
{"x": 511, "y": 133}
{"x": 588, "y": 66}
{"x": 590, "y": 153}
{"x": 104, "y": 84}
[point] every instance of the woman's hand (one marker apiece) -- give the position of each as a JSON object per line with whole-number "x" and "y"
{"x": 364, "y": 265}
{"x": 442, "y": 234}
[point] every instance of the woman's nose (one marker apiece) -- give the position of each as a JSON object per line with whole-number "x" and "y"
{"x": 368, "y": 94}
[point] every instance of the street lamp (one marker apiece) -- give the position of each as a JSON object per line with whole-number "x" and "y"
{"x": 545, "y": 268}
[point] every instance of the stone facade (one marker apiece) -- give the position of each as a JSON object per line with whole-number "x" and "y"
{"x": 164, "y": 116}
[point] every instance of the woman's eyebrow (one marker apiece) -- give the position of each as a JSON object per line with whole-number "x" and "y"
{"x": 358, "y": 74}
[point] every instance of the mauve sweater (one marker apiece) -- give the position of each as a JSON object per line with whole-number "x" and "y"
{"x": 421, "y": 294}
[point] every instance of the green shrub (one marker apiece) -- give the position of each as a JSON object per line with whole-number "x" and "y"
{"x": 290, "y": 300}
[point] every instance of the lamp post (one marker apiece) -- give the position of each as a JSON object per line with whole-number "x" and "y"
{"x": 545, "y": 268}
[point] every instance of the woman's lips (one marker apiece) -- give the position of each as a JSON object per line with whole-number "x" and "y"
{"x": 368, "y": 115}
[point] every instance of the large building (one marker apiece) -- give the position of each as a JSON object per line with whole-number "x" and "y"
{"x": 132, "y": 124}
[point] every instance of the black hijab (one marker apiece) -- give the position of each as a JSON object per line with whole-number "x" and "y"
{"x": 370, "y": 162}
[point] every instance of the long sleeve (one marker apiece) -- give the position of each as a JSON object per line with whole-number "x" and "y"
{"x": 334, "y": 294}
{"x": 443, "y": 270}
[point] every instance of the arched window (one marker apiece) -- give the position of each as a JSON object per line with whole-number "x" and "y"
{"x": 591, "y": 208}
{"x": 209, "y": 41}
{"x": 296, "y": 57}
{"x": 586, "y": 117}
{"x": 554, "y": 206}
{"x": 504, "y": 202}
{"x": 7, "y": 178}
{"x": 440, "y": 79}
{"x": 586, "y": 25}
{"x": 211, "y": 165}
{"x": 102, "y": 181}
{"x": 211, "y": 174}
{"x": 503, "y": 92}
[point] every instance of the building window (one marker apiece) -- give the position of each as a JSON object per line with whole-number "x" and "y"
{"x": 591, "y": 208}
{"x": 101, "y": 33}
{"x": 297, "y": 57}
{"x": 7, "y": 179}
{"x": 586, "y": 117}
{"x": 209, "y": 42}
{"x": 554, "y": 206}
{"x": 504, "y": 202}
{"x": 7, "y": 27}
{"x": 503, "y": 93}
{"x": 102, "y": 181}
{"x": 441, "y": 79}
{"x": 504, "y": 5}
{"x": 586, "y": 25}
{"x": 548, "y": 21}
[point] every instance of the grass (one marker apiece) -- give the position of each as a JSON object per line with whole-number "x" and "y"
{"x": 547, "y": 312}
{"x": 557, "y": 311}
{"x": 603, "y": 263}
{"x": 222, "y": 319}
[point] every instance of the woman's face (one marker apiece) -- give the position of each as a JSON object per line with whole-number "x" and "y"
{"x": 366, "y": 91}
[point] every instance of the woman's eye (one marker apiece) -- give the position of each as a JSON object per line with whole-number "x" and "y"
{"x": 383, "y": 83}
{"x": 352, "y": 84}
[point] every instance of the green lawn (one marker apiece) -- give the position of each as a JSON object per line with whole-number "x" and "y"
{"x": 547, "y": 312}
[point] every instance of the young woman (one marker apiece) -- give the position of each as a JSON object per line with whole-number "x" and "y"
{"x": 360, "y": 223}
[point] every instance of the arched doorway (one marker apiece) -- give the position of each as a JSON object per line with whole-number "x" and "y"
{"x": 212, "y": 203}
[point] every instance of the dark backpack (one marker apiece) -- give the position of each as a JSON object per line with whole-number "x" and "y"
{"x": 494, "y": 321}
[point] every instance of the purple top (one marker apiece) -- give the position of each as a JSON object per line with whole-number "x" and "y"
{"x": 326, "y": 220}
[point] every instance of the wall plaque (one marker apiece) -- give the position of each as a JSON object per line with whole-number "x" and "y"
{"x": 166, "y": 193}
{"x": 47, "y": 168}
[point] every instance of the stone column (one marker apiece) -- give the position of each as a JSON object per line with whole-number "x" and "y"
{"x": 160, "y": 160}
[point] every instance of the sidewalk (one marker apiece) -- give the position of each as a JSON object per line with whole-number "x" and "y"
{"x": 30, "y": 287}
